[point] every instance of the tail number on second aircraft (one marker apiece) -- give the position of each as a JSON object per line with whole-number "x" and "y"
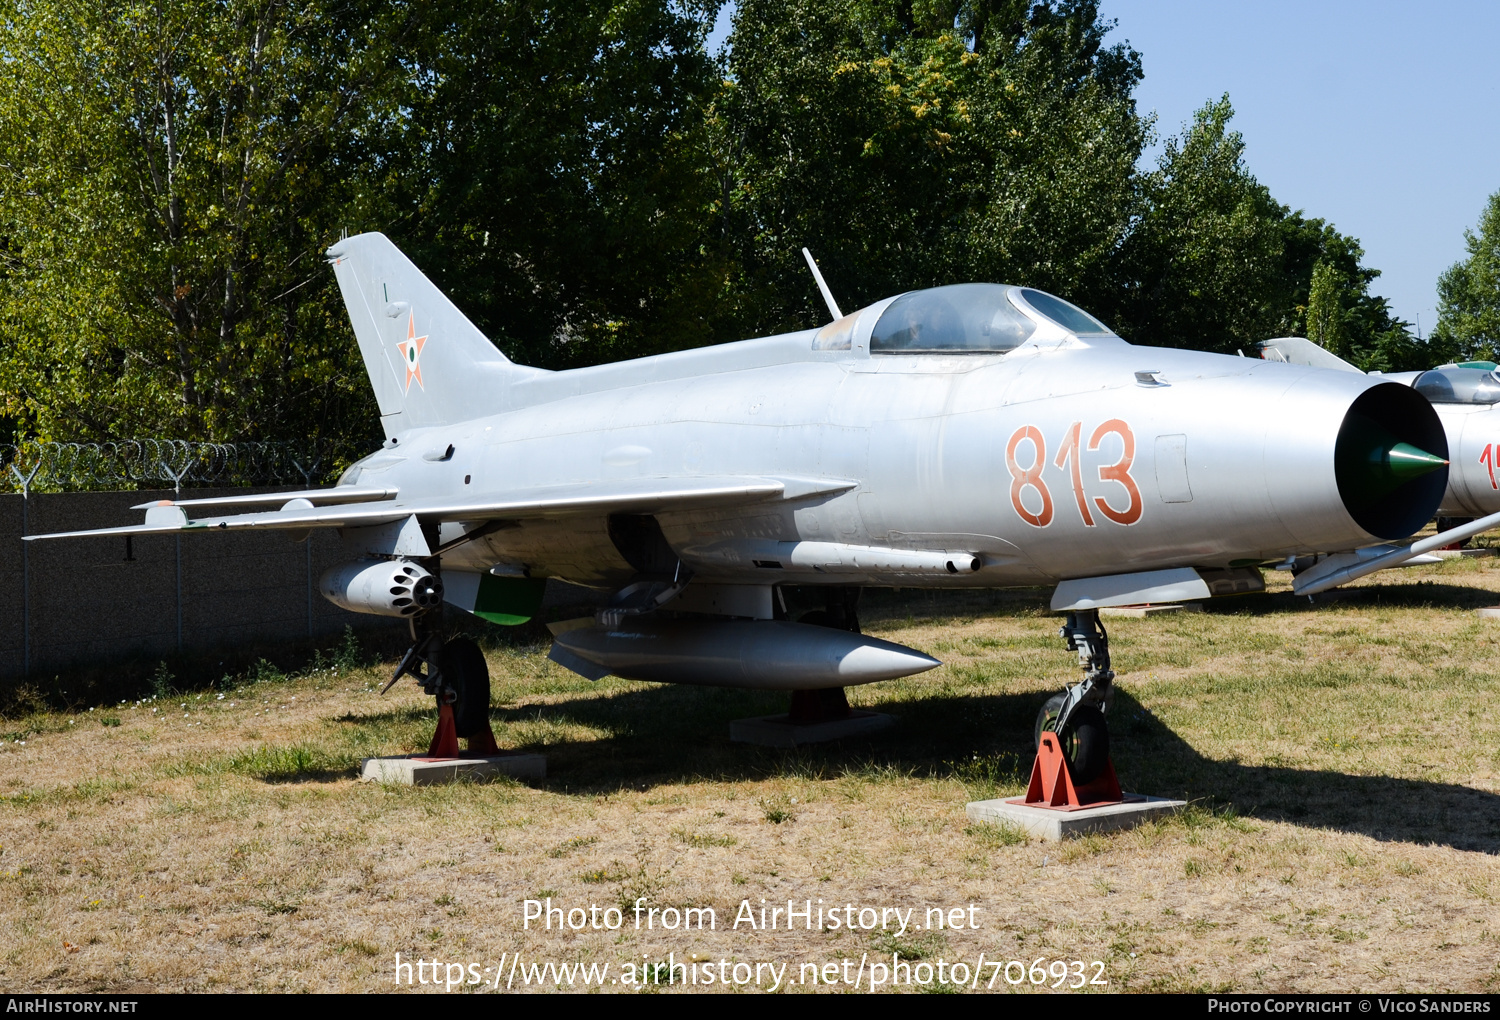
{"x": 1069, "y": 456}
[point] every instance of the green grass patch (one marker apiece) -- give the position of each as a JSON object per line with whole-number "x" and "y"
{"x": 297, "y": 763}
{"x": 703, "y": 840}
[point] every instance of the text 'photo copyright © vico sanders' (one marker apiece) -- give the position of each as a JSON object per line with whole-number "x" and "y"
{"x": 891, "y": 967}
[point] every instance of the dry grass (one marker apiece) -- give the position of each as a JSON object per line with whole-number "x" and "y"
{"x": 1342, "y": 758}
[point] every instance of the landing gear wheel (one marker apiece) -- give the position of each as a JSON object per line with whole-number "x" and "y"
{"x": 1046, "y": 718}
{"x": 818, "y": 618}
{"x": 1084, "y": 740}
{"x": 465, "y": 670}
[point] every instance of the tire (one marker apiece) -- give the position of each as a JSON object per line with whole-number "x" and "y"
{"x": 816, "y": 618}
{"x": 1045, "y": 718}
{"x": 1084, "y": 741}
{"x": 465, "y": 670}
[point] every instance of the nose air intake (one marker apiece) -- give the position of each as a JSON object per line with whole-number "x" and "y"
{"x": 1391, "y": 461}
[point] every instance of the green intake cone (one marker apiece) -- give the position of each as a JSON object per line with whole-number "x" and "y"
{"x": 1372, "y": 463}
{"x": 1405, "y": 462}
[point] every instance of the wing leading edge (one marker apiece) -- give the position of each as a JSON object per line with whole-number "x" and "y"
{"x": 645, "y": 495}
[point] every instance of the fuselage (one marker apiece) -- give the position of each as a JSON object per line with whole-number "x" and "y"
{"x": 1066, "y": 457}
{"x": 1467, "y": 401}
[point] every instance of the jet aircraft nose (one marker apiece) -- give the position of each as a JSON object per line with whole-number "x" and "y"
{"x": 1375, "y": 463}
{"x": 1389, "y": 479}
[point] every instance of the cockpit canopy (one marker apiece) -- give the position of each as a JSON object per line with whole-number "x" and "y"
{"x": 974, "y": 318}
{"x": 1459, "y": 386}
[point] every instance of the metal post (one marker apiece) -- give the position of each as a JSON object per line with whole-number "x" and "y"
{"x": 25, "y": 481}
{"x": 307, "y": 474}
{"x": 177, "y": 478}
{"x": 178, "y": 542}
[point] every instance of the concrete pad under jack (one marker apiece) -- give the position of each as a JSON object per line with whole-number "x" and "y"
{"x": 776, "y": 731}
{"x": 1059, "y": 823}
{"x": 420, "y": 770}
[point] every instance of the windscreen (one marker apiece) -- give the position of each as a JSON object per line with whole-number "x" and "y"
{"x": 965, "y": 317}
{"x": 1459, "y": 386}
{"x": 1069, "y": 317}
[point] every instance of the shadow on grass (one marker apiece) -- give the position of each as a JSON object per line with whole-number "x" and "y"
{"x": 672, "y": 734}
{"x": 667, "y": 735}
{"x": 1414, "y": 595}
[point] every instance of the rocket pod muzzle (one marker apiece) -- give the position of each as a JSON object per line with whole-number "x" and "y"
{"x": 1391, "y": 461}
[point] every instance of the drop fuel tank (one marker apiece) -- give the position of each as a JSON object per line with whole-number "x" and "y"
{"x": 758, "y": 654}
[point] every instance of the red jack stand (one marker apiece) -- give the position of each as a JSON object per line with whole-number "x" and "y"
{"x": 445, "y": 740}
{"x": 1052, "y": 783}
{"x": 482, "y": 744}
{"x": 819, "y": 706}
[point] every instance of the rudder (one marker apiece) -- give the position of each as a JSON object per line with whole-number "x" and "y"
{"x": 428, "y": 364}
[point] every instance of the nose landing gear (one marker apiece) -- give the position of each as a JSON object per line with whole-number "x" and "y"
{"x": 1073, "y": 767}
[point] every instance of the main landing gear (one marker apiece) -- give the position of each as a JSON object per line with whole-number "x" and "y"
{"x": 455, "y": 673}
{"x": 1072, "y": 738}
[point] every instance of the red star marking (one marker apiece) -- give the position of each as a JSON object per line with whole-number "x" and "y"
{"x": 411, "y": 353}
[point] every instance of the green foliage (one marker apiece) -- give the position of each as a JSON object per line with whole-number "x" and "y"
{"x": 1325, "y": 314}
{"x": 287, "y": 764}
{"x": 349, "y": 656}
{"x": 172, "y": 175}
{"x": 551, "y": 157}
{"x": 162, "y": 681}
{"x": 911, "y": 146}
{"x": 589, "y": 184}
{"x": 1469, "y": 293}
{"x": 1203, "y": 266}
{"x": 1216, "y": 264}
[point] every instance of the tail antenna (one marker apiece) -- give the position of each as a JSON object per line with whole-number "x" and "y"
{"x": 833, "y": 306}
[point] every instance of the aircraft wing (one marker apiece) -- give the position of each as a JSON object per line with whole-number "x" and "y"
{"x": 638, "y": 495}
{"x": 337, "y": 494}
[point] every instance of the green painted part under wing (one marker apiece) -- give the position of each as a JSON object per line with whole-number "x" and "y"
{"x": 508, "y": 601}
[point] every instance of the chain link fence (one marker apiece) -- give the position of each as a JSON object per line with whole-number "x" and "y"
{"x": 171, "y": 464}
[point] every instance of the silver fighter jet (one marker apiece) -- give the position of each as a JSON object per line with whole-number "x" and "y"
{"x": 975, "y": 435}
{"x": 1467, "y": 399}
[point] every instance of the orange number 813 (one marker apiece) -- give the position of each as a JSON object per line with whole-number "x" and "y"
{"x": 1031, "y": 477}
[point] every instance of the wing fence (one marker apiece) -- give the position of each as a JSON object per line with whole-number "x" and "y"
{"x": 170, "y": 464}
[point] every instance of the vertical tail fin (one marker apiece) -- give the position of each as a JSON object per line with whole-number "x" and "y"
{"x": 429, "y": 365}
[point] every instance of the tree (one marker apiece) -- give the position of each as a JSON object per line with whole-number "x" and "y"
{"x": 1469, "y": 292}
{"x": 1366, "y": 333}
{"x": 916, "y": 144}
{"x": 589, "y": 185}
{"x": 1215, "y": 263}
{"x": 1202, "y": 266}
{"x": 1325, "y": 312}
{"x": 171, "y": 176}
{"x": 549, "y": 172}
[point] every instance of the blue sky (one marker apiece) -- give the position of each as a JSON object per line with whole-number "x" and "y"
{"x": 1382, "y": 118}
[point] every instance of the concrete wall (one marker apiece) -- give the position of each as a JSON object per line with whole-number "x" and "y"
{"x": 88, "y": 601}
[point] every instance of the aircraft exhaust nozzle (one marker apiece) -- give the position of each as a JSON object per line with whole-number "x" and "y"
{"x": 757, "y": 654}
{"x": 382, "y": 587}
{"x": 1391, "y": 461}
